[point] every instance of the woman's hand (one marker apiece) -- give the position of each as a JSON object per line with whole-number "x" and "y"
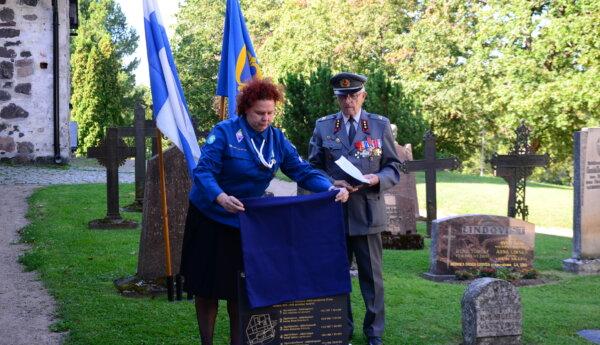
{"x": 344, "y": 184}
{"x": 342, "y": 195}
{"x": 230, "y": 203}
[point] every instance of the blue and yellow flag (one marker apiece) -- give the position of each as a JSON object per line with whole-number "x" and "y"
{"x": 238, "y": 59}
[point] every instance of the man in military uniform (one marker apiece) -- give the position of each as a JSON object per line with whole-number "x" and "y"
{"x": 366, "y": 141}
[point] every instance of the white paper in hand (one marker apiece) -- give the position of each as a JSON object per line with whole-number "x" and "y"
{"x": 350, "y": 169}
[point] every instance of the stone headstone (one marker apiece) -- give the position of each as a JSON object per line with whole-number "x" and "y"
{"x": 401, "y": 202}
{"x": 586, "y": 215}
{"x": 474, "y": 242}
{"x": 151, "y": 258}
{"x": 491, "y": 313}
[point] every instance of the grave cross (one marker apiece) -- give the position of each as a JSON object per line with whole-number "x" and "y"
{"x": 143, "y": 128}
{"x": 112, "y": 153}
{"x": 515, "y": 167}
{"x": 430, "y": 165}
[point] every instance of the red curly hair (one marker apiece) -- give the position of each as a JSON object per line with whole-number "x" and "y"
{"x": 258, "y": 90}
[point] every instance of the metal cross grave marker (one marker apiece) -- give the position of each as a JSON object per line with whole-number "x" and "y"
{"x": 143, "y": 128}
{"x": 112, "y": 153}
{"x": 515, "y": 167}
{"x": 430, "y": 165}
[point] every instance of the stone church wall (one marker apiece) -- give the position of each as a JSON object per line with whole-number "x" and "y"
{"x": 26, "y": 80}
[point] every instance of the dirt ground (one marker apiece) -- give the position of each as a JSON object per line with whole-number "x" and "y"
{"x": 26, "y": 308}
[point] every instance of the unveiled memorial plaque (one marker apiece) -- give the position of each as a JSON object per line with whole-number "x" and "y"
{"x": 312, "y": 321}
{"x": 586, "y": 214}
{"x": 480, "y": 241}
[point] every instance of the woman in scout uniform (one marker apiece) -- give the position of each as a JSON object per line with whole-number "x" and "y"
{"x": 366, "y": 141}
{"x": 239, "y": 160}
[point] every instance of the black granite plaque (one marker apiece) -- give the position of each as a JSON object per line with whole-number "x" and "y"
{"x": 312, "y": 321}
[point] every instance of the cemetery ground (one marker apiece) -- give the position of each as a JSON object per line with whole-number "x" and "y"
{"x": 78, "y": 267}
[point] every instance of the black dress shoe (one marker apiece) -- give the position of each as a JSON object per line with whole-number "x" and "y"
{"x": 375, "y": 341}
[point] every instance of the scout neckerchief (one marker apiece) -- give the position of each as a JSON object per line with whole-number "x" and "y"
{"x": 258, "y": 152}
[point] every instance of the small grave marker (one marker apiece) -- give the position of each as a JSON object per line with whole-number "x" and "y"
{"x": 112, "y": 153}
{"x": 430, "y": 165}
{"x": 515, "y": 167}
{"x": 491, "y": 313}
{"x": 143, "y": 128}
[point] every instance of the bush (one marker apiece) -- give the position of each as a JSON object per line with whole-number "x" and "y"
{"x": 309, "y": 98}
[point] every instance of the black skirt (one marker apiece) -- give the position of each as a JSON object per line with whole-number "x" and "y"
{"x": 211, "y": 257}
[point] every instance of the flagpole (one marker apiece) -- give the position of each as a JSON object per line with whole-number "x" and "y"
{"x": 165, "y": 216}
{"x": 222, "y": 108}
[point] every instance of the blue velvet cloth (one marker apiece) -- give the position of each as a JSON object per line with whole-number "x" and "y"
{"x": 294, "y": 248}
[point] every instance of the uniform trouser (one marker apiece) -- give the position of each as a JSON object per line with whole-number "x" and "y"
{"x": 367, "y": 249}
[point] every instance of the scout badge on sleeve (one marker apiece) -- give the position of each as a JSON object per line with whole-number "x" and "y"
{"x": 368, "y": 148}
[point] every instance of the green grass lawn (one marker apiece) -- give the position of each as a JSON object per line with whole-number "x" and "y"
{"x": 549, "y": 205}
{"x": 79, "y": 265}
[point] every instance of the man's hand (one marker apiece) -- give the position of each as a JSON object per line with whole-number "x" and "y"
{"x": 372, "y": 178}
{"x": 342, "y": 195}
{"x": 230, "y": 203}
{"x": 344, "y": 184}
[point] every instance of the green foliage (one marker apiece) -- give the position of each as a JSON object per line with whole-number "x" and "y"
{"x": 475, "y": 68}
{"x": 97, "y": 98}
{"x": 387, "y": 97}
{"x": 197, "y": 52}
{"x": 104, "y": 90}
{"x": 307, "y": 99}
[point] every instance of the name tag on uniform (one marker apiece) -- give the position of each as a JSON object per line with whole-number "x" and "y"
{"x": 237, "y": 148}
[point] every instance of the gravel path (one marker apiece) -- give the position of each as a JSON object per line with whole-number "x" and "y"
{"x": 26, "y": 308}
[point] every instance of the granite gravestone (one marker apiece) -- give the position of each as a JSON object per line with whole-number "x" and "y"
{"x": 473, "y": 242}
{"x": 151, "y": 258}
{"x": 586, "y": 214}
{"x": 401, "y": 200}
{"x": 402, "y": 209}
{"x": 491, "y": 313}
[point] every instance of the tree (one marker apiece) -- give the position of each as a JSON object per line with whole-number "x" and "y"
{"x": 307, "y": 99}
{"x": 197, "y": 49}
{"x": 102, "y": 22}
{"x": 97, "y": 99}
{"x": 469, "y": 66}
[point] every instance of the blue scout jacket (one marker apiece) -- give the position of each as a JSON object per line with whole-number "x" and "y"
{"x": 229, "y": 163}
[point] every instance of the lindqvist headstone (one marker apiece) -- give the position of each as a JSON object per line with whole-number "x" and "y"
{"x": 586, "y": 212}
{"x": 477, "y": 242}
{"x": 491, "y": 313}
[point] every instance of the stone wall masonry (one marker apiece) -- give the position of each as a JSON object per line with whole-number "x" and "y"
{"x": 26, "y": 78}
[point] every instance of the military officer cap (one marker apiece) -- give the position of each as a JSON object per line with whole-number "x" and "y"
{"x": 347, "y": 83}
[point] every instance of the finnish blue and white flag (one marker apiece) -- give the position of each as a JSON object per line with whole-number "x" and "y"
{"x": 169, "y": 105}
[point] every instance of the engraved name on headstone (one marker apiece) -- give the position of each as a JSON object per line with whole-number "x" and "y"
{"x": 480, "y": 241}
{"x": 491, "y": 313}
{"x": 586, "y": 215}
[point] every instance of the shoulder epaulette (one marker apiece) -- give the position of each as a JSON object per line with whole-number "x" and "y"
{"x": 328, "y": 117}
{"x": 378, "y": 117}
